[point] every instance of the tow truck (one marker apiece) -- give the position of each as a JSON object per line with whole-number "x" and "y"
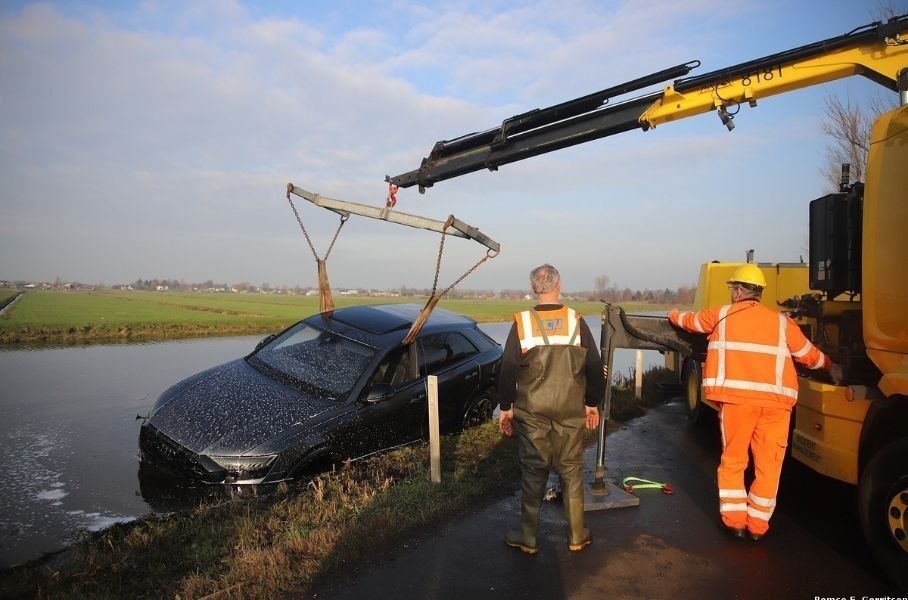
{"x": 856, "y": 307}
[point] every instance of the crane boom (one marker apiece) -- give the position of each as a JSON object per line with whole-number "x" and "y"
{"x": 878, "y": 51}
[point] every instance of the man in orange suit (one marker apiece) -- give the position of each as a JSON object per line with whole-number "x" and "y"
{"x": 749, "y": 373}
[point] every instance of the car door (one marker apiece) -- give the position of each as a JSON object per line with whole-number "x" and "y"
{"x": 452, "y": 358}
{"x": 394, "y": 419}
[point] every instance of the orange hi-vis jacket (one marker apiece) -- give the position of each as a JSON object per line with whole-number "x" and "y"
{"x": 562, "y": 328}
{"x": 748, "y": 360}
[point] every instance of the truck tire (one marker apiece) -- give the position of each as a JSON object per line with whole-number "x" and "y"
{"x": 690, "y": 379}
{"x": 883, "y": 503}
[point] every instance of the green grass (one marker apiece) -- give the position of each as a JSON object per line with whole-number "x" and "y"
{"x": 74, "y": 317}
{"x": 4, "y": 294}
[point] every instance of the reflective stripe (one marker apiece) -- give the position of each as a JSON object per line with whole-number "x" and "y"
{"x": 782, "y": 356}
{"x": 531, "y": 341}
{"x": 681, "y": 316}
{"x": 697, "y": 325}
{"x": 819, "y": 362}
{"x": 807, "y": 347}
{"x": 572, "y": 318}
{"x": 737, "y": 384}
{"x": 758, "y": 514}
{"x": 732, "y": 493}
{"x": 722, "y": 424}
{"x": 723, "y": 313}
{"x": 749, "y": 347}
{"x": 759, "y": 500}
{"x": 732, "y": 507}
{"x": 554, "y": 340}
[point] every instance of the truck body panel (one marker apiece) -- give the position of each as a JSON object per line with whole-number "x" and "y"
{"x": 885, "y": 246}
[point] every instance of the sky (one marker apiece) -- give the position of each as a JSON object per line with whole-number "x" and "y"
{"x": 155, "y": 139}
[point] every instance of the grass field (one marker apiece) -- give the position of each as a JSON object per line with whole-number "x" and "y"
{"x": 75, "y": 317}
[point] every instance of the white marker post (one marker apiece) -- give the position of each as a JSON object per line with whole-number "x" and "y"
{"x": 638, "y": 376}
{"x": 434, "y": 441}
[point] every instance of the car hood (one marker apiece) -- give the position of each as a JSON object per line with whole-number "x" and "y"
{"x": 233, "y": 410}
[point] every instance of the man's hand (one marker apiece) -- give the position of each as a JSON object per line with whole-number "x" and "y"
{"x": 835, "y": 371}
{"x": 506, "y": 421}
{"x": 592, "y": 417}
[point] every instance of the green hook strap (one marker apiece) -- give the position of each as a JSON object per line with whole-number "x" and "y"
{"x": 636, "y": 483}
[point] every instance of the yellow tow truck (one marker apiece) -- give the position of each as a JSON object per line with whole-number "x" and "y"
{"x": 852, "y": 295}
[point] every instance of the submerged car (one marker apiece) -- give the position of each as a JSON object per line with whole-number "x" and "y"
{"x": 337, "y": 385}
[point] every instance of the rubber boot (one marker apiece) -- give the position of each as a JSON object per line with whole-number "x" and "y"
{"x": 579, "y": 537}
{"x": 524, "y": 538}
{"x": 519, "y": 539}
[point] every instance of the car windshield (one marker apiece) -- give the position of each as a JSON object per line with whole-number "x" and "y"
{"x": 327, "y": 363}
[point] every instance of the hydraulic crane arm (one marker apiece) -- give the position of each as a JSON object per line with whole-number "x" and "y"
{"x": 878, "y": 51}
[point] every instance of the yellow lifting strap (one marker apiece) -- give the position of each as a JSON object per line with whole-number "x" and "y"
{"x": 451, "y": 226}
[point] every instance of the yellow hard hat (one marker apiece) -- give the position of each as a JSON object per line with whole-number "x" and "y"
{"x": 749, "y": 273}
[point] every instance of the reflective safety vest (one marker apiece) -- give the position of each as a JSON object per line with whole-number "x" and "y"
{"x": 749, "y": 357}
{"x": 562, "y": 328}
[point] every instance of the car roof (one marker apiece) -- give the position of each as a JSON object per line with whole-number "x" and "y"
{"x": 390, "y": 321}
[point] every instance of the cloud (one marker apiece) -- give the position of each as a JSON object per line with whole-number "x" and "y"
{"x": 168, "y": 131}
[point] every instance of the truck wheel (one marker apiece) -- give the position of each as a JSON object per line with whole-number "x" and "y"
{"x": 883, "y": 501}
{"x": 690, "y": 378}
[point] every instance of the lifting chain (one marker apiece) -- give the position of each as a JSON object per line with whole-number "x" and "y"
{"x": 441, "y": 248}
{"x": 343, "y": 220}
{"x": 433, "y": 297}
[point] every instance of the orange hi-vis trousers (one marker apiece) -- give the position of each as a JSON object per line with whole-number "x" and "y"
{"x": 763, "y": 430}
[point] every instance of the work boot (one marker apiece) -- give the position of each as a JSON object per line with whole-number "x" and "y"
{"x": 736, "y": 532}
{"x": 578, "y": 536}
{"x": 516, "y": 539}
{"x": 585, "y": 540}
{"x": 756, "y": 537}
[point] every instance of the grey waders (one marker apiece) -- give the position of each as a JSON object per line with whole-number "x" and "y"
{"x": 550, "y": 417}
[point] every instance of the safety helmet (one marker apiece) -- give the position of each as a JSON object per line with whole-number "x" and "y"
{"x": 749, "y": 273}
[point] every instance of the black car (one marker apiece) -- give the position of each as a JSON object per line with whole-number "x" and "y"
{"x": 337, "y": 385}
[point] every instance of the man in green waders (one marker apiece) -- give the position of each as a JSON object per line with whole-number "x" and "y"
{"x": 550, "y": 386}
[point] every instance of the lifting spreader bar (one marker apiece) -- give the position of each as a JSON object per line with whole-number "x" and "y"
{"x": 344, "y": 208}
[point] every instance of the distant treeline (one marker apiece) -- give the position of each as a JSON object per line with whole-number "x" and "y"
{"x": 682, "y": 295}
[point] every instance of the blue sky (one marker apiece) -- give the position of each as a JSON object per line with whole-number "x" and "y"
{"x": 155, "y": 139}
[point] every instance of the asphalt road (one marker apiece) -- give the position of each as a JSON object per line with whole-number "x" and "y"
{"x": 667, "y": 547}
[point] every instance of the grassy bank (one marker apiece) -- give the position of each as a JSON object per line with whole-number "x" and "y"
{"x": 301, "y": 538}
{"x": 78, "y": 317}
{"x": 287, "y": 541}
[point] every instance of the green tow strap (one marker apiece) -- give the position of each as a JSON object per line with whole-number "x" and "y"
{"x": 635, "y": 483}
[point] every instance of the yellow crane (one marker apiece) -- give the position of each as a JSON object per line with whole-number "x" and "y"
{"x": 856, "y": 307}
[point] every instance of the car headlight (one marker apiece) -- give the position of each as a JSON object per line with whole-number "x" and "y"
{"x": 242, "y": 468}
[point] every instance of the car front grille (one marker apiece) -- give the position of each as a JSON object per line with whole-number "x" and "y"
{"x": 161, "y": 451}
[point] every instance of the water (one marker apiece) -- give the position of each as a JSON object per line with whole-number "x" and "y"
{"x": 69, "y": 434}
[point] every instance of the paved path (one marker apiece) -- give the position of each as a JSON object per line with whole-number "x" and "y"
{"x": 668, "y": 547}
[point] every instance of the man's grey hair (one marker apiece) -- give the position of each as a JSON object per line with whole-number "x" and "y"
{"x": 544, "y": 279}
{"x": 750, "y": 291}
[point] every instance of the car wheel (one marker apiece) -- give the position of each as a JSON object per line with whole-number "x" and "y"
{"x": 691, "y": 380}
{"x": 883, "y": 502}
{"x": 478, "y": 410}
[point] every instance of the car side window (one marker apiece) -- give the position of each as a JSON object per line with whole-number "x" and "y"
{"x": 394, "y": 369}
{"x": 443, "y": 349}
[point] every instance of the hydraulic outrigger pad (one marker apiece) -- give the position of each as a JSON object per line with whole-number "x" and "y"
{"x": 345, "y": 208}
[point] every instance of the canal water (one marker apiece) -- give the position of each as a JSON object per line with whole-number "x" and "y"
{"x": 69, "y": 434}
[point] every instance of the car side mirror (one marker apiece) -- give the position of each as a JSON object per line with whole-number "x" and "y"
{"x": 379, "y": 392}
{"x": 264, "y": 341}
